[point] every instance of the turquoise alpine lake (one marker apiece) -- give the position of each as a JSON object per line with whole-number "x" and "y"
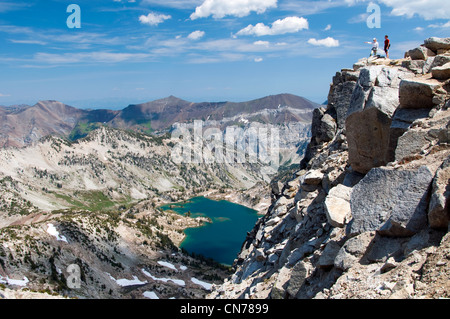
{"x": 222, "y": 239}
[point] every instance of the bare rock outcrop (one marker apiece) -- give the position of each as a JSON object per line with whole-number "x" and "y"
{"x": 371, "y": 213}
{"x": 369, "y": 118}
{"x": 392, "y": 202}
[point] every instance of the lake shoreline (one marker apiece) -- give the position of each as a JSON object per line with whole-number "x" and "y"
{"x": 223, "y": 231}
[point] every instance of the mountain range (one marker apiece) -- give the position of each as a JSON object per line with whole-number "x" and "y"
{"x": 22, "y": 125}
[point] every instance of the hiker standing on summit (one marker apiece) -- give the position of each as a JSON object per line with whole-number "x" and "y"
{"x": 387, "y": 45}
{"x": 375, "y": 47}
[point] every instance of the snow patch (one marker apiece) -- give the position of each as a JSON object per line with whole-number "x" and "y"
{"x": 150, "y": 295}
{"x": 178, "y": 282}
{"x": 14, "y": 282}
{"x": 127, "y": 282}
{"x": 203, "y": 284}
{"x": 167, "y": 264}
{"x": 243, "y": 120}
{"x": 54, "y": 232}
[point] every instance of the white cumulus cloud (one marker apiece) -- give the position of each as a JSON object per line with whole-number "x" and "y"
{"x": 287, "y": 25}
{"x": 427, "y": 9}
{"x": 154, "y": 18}
{"x": 196, "y": 35}
{"x": 440, "y": 26}
{"x": 328, "y": 42}
{"x": 238, "y": 8}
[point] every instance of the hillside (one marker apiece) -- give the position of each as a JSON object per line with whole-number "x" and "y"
{"x": 366, "y": 216}
{"x": 117, "y": 166}
{"x": 94, "y": 203}
{"x": 23, "y": 125}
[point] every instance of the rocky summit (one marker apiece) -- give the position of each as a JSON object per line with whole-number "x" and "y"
{"x": 367, "y": 214}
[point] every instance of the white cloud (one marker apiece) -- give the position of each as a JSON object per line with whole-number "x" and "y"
{"x": 328, "y": 27}
{"x": 308, "y": 7}
{"x": 328, "y": 42}
{"x": 28, "y": 42}
{"x": 154, "y": 18}
{"x": 427, "y": 9}
{"x": 262, "y": 43}
{"x": 257, "y": 60}
{"x": 238, "y": 8}
{"x": 196, "y": 35}
{"x": 88, "y": 57}
{"x": 4, "y": 95}
{"x": 10, "y": 6}
{"x": 440, "y": 25}
{"x": 360, "y": 18}
{"x": 287, "y": 25}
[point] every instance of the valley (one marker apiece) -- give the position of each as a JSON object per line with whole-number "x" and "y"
{"x": 101, "y": 193}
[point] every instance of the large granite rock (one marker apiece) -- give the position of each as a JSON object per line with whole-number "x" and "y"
{"x": 392, "y": 202}
{"x": 337, "y": 206}
{"x": 368, "y": 139}
{"x": 340, "y": 95}
{"x": 436, "y": 44}
{"x": 374, "y": 102}
{"x": 417, "y": 94}
{"x": 328, "y": 128}
{"x": 402, "y": 121}
{"x": 441, "y": 72}
{"x": 299, "y": 274}
{"x": 353, "y": 250}
{"x": 329, "y": 254}
{"x": 412, "y": 143}
{"x": 313, "y": 177}
{"x": 323, "y": 126}
{"x": 416, "y": 66}
{"x": 420, "y": 53}
{"x": 438, "y": 212}
{"x": 439, "y": 60}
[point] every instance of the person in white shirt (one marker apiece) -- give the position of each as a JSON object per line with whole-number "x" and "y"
{"x": 375, "y": 47}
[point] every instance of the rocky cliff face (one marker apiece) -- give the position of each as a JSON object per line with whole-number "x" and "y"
{"x": 367, "y": 215}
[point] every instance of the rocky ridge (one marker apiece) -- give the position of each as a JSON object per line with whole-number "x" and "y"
{"x": 367, "y": 216}
{"x": 22, "y": 125}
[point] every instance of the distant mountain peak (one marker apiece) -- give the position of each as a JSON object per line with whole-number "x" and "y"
{"x": 54, "y": 117}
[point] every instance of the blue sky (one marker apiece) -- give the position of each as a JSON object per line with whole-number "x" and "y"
{"x": 132, "y": 51}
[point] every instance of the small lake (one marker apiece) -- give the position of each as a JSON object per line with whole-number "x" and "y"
{"x": 222, "y": 239}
